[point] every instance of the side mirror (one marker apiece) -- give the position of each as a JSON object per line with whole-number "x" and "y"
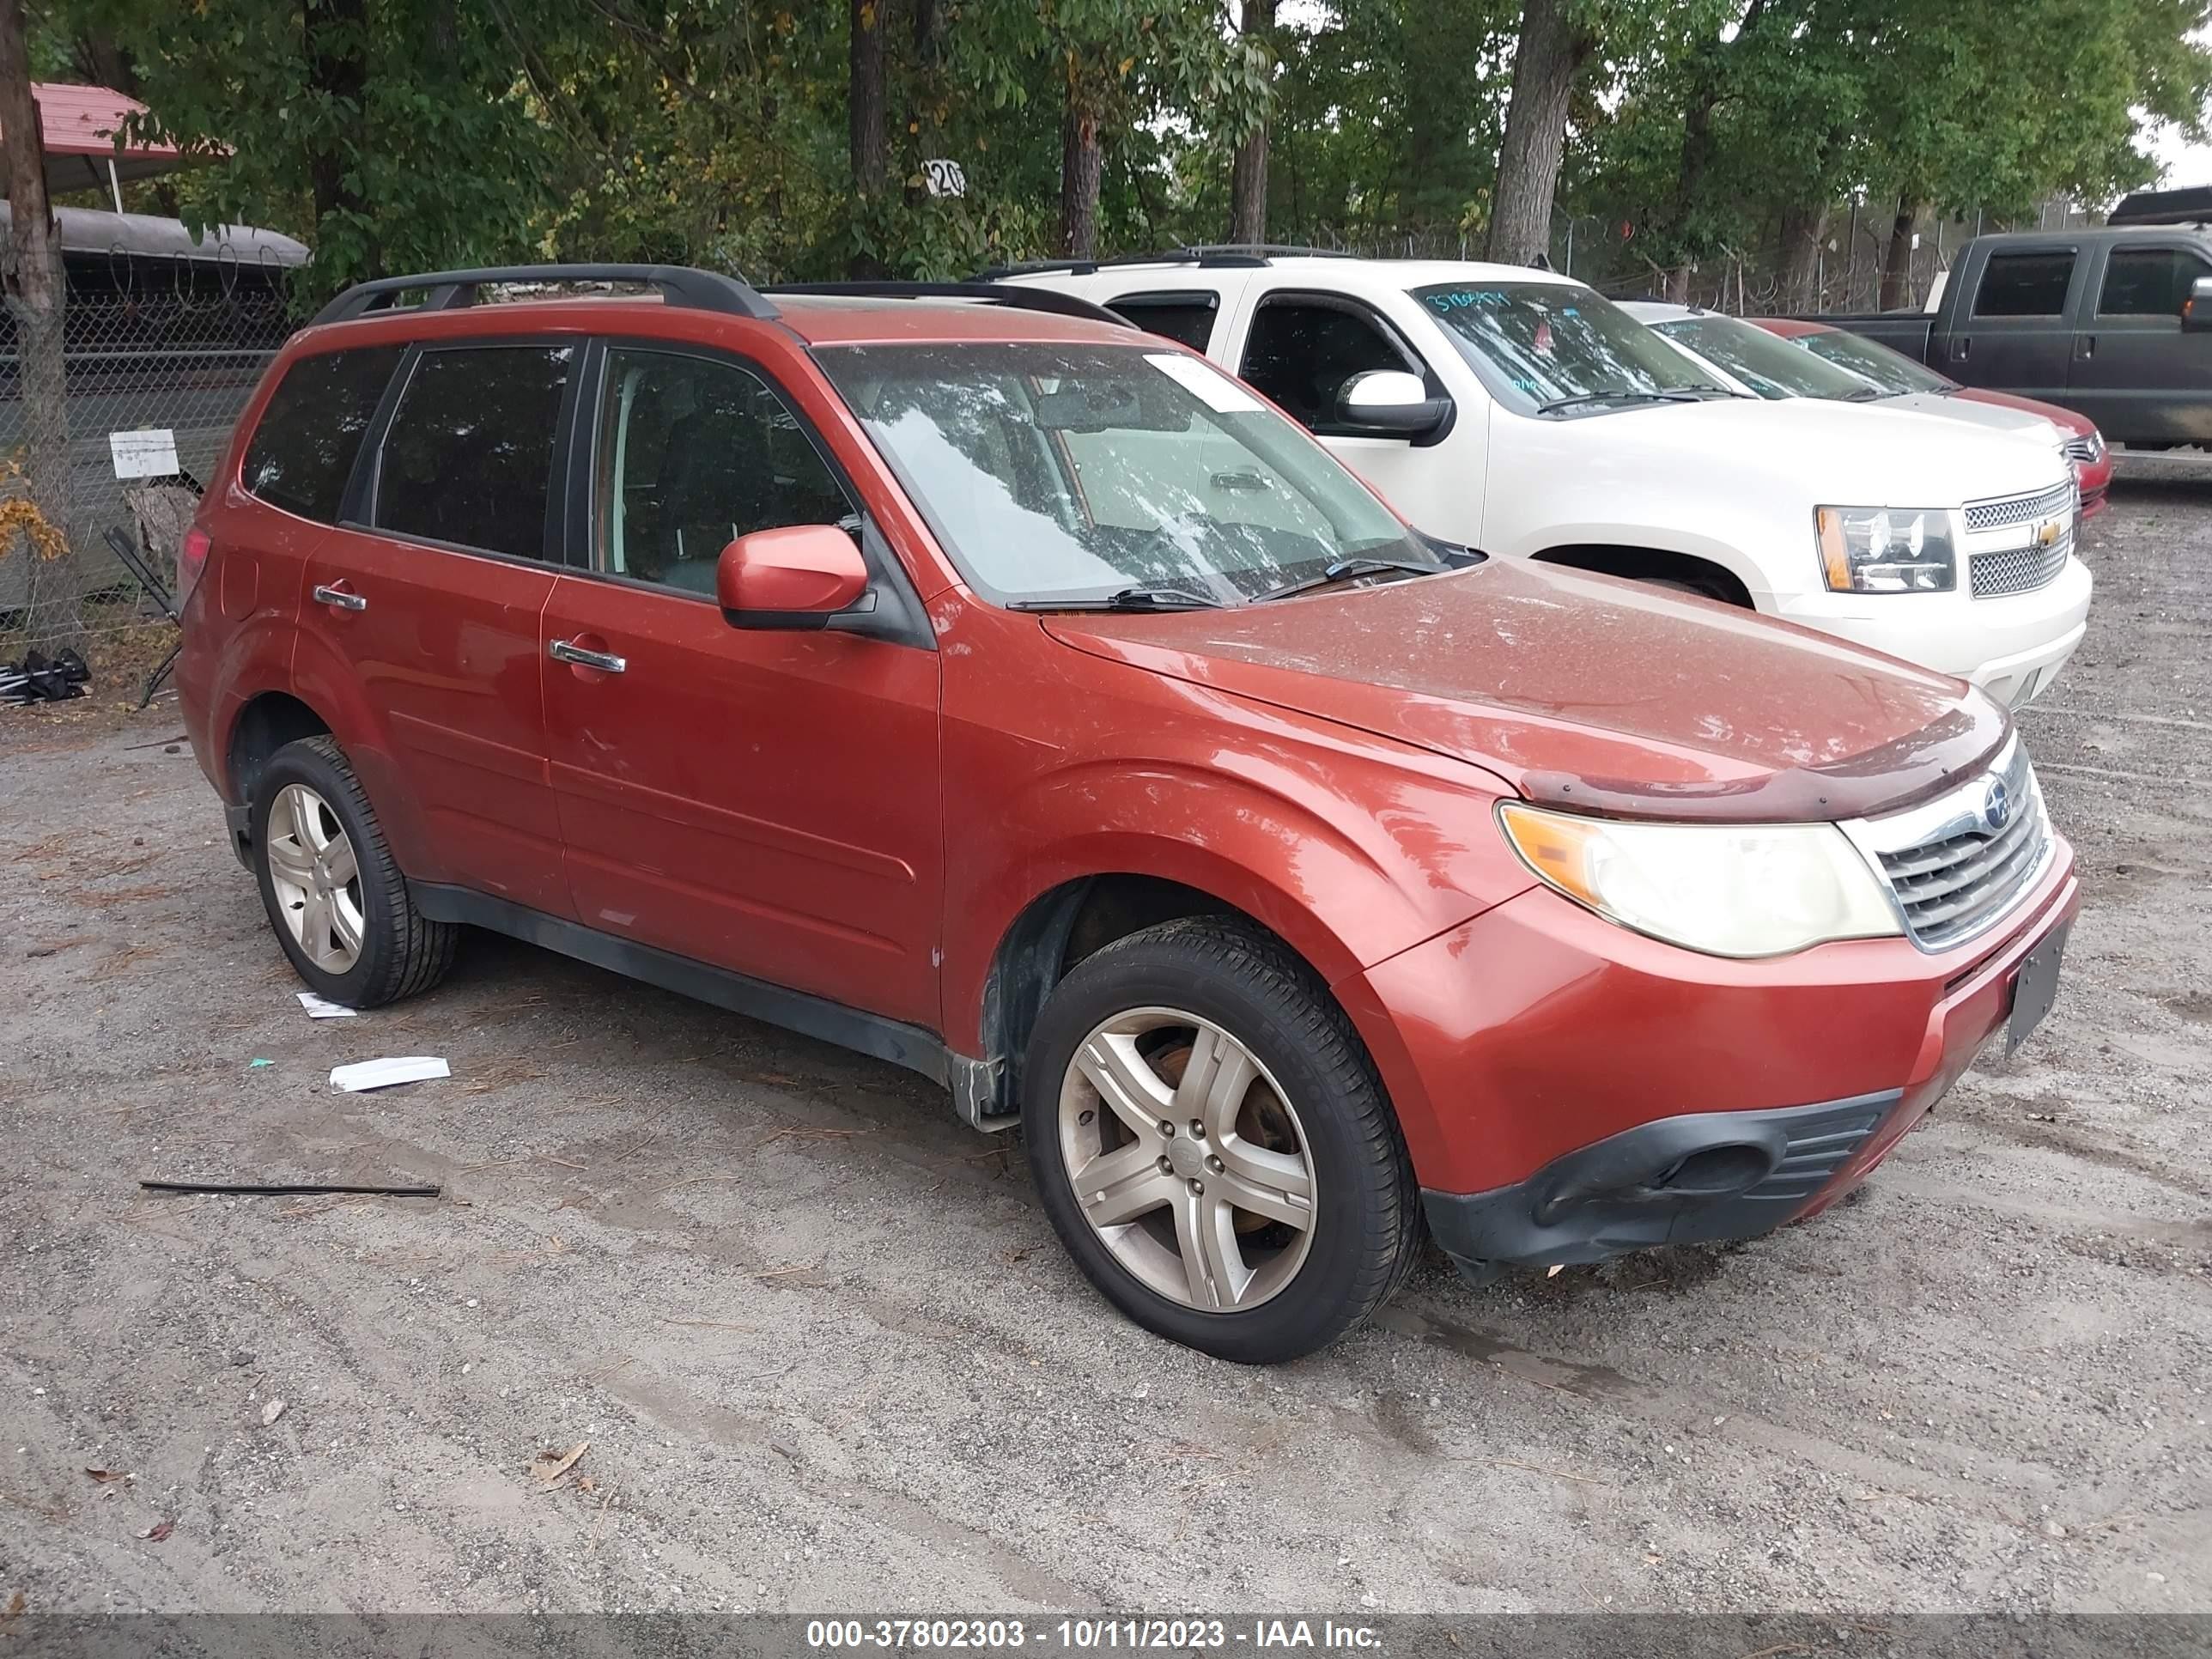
{"x": 2197, "y": 309}
{"x": 799, "y": 576}
{"x": 1391, "y": 400}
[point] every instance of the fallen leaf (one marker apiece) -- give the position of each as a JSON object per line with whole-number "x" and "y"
{"x": 271, "y": 1412}
{"x": 158, "y": 1531}
{"x": 585, "y": 1482}
{"x": 15, "y": 1605}
{"x": 106, "y": 1475}
{"x": 566, "y": 1463}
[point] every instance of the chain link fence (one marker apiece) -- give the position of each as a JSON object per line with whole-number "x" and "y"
{"x": 163, "y": 348}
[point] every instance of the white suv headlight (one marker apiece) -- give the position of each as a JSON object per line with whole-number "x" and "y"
{"x": 1886, "y": 549}
{"x": 1726, "y": 890}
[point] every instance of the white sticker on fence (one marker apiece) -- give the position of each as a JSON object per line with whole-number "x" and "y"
{"x": 151, "y": 453}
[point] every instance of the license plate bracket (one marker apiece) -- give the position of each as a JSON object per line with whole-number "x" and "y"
{"x": 2034, "y": 988}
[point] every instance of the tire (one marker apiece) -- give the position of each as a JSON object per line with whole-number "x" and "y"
{"x": 311, "y": 819}
{"x": 1219, "y": 1022}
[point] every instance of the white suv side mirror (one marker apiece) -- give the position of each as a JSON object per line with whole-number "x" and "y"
{"x": 1391, "y": 400}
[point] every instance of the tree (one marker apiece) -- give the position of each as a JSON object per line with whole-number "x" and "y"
{"x": 1248, "y": 190}
{"x": 32, "y": 271}
{"x": 868, "y": 142}
{"x": 392, "y": 134}
{"x": 1115, "y": 68}
{"x": 1555, "y": 42}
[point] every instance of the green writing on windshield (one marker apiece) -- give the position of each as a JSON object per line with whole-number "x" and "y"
{"x": 1457, "y": 299}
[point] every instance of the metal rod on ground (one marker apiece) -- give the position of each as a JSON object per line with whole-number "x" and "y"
{"x": 304, "y": 1189}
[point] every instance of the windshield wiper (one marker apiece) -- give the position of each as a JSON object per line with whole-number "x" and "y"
{"x": 1619, "y": 397}
{"x": 1337, "y": 570}
{"x": 1127, "y": 598}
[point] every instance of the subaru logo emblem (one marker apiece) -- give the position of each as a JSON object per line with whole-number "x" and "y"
{"x": 1996, "y": 805}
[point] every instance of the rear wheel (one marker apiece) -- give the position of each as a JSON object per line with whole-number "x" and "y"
{"x": 338, "y": 905}
{"x": 1213, "y": 1145}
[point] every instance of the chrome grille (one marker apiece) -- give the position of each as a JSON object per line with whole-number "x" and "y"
{"x": 1951, "y": 873}
{"x": 2018, "y": 509}
{"x": 2085, "y": 450}
{"x": 2019, "y": 569}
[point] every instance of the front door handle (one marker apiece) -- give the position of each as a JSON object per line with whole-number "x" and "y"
{"x": 338, "y": 597}
{"x": 568, "y": 650}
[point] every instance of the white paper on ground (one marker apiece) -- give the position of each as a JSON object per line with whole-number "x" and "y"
{"x": 383, "y": 1074}
{"x": 324, "y": 1008}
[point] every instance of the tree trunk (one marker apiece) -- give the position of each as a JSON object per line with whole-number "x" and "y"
{"x": 31, "y": 272}
{"x": 870, "y": 147}
{"x": 1897, "y": 263}
{"x": 1248, "y": 183}
{"x": 1551, "y": 50}
{"x": 1802, "y": 229}
{"x": 336, "y": 40}
{"x": 1082, "y": 164}
{"x": 868, "y": 142}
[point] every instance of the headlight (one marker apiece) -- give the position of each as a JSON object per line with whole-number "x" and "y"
{"x": 1726, "y": 890}
{"x": 1886, "y": 549}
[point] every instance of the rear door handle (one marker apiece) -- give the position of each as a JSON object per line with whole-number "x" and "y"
{"x": 338, "y": 597}
{"x": 567, "y": 651}
{"x": 2085, "y": 346}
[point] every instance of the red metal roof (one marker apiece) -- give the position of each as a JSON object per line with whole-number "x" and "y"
{"x": 84, "y": 120}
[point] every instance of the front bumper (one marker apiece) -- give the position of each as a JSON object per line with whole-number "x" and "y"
{"x": 1569, "y": 1090}
{"x": 1696, "y": 1179}
{"x": 2012, "y": 647}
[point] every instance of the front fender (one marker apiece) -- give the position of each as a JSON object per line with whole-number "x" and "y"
{"x": 1351, "y": 849}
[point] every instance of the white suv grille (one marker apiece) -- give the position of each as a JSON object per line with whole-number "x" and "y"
{"x": 2018, "y": 509}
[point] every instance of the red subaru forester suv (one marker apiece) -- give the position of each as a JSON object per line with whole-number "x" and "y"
{"x": 970, "y": 678}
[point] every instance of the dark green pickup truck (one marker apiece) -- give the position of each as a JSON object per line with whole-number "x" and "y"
{"x": 2098, "y": 319}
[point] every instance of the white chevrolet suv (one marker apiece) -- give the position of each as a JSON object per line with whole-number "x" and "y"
{"x": 1522, "y": 413}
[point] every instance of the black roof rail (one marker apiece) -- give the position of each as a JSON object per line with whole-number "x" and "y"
{"x": 1020, "y": 299}
{"x": 1215, "y": 255}
{"x": 1261, "y": 252}
{"x": 443, "y": 290}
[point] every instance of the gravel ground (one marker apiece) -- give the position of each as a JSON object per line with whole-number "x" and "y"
{"x": 827, "y": 1353}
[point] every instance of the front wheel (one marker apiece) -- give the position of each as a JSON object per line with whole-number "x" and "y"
{"x": 1213, "y": 1145}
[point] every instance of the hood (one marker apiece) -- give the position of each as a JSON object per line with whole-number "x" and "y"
{"x": 1995, "y": 418}
{"x": 1841, "y": 454}
{"x": 2065, "y": 419}
{"x": 1585, "y": 692}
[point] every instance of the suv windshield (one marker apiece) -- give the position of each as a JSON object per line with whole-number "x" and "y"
{"x": 1073, "y": 473}
{"x": 1892, "y": 371}
{"x": 1553, "y": 346}
{"x": 1770, "y": 367}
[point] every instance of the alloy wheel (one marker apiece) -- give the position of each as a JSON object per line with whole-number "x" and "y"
{"x": 317, "y": 878}
{"x": 1186, "y": 1159}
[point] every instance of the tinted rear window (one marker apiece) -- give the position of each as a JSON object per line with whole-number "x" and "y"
{"x": 303, "y": 451}
{"x": 469, "y": 456}
{"x": 2026, "y": 284}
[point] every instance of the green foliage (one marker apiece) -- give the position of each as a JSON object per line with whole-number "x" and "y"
{"x": 715, "y": 131}
{"x": 440, "y": 143}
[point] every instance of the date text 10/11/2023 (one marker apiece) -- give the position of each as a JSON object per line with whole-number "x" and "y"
{"x": 1262, "y": 1635}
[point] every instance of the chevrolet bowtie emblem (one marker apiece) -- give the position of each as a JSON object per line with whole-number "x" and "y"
{"x": 2048, "y": 533}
